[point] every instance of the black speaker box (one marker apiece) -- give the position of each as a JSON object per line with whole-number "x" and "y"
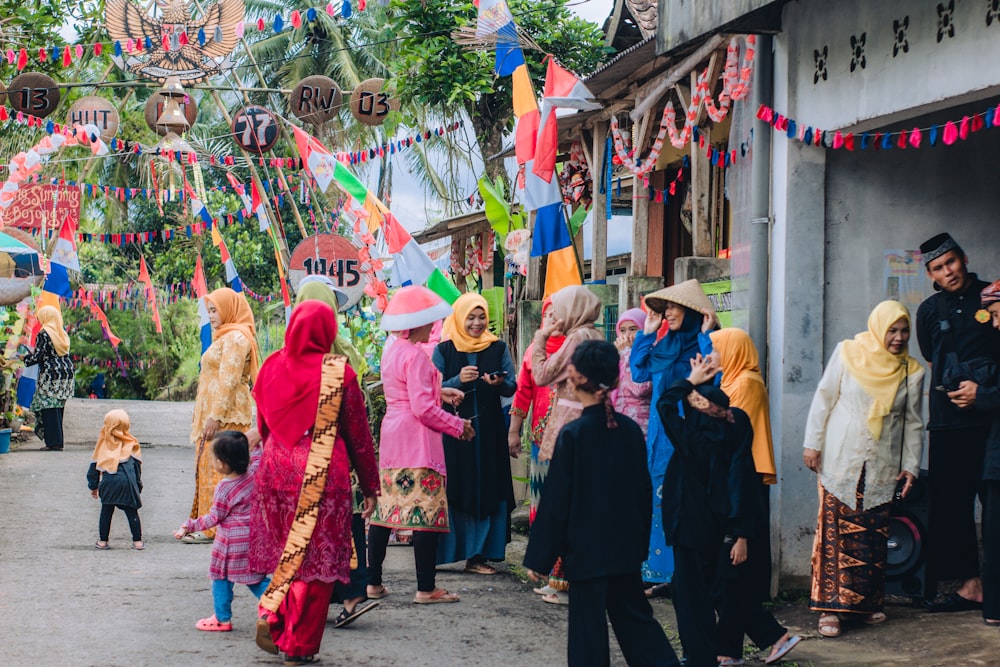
{"x": 907, "y": 573}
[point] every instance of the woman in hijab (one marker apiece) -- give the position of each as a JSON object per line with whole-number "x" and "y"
{"x": 863, "y": 437}
{"x": 536, "y": 399}
{"x": 55, "y": 377}
{"x": 735, "y": 355}
{"x": 411, "y": 454}
{"x": 575, "y": 309}
{"x": 631, "y": 398}
{"x": 480, "y": 490}
{"x": 311, "y": 416}
{"x": 662, "y": 358}
{"x": 115, "y": 476}
{"x": 228, "y": 369}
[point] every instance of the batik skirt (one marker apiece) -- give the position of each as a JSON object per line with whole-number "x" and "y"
{"x": 849, "y": 556}
{"x": 412, "y": 499}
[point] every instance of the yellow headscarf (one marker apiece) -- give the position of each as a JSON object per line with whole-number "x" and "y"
{"x": 52, "y": 323}
{"x": 744, "y": 385}
{"x": 115, "y": 444}
{"x": 877, "y": 370}
{"x": 318, "y": 291}
{"x": 454, "y": 324}
{"x": 235, "y": 315}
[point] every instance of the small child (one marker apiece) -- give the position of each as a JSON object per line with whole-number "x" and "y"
{"x": 231, "y": 513}
{"x": 115, "y": 476}
{"x": 599, "y": 477}
{"x": 712, "y": 511}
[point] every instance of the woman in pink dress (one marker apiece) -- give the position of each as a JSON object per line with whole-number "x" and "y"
{"x": 631, "y": 398}
{"x": 411, "y": 452}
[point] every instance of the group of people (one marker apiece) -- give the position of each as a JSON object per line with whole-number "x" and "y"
{"x": 663, "y": 439}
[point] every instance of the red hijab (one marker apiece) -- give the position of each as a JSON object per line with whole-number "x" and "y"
{"x": 287, "y": 388}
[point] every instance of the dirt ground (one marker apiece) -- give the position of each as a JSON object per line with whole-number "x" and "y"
{"x": 65, "y": 603}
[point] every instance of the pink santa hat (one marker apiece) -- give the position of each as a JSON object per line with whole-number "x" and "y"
{"x": 412, "y": 307}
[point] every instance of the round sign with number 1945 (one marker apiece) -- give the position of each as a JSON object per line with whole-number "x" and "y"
{"x": 255, "y": 129}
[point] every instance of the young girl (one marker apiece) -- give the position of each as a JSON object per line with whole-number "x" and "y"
{"x": 598, "y": 477}
{"x": 115, "y": 476}
{"x": 712, "y": 511}
{"x": 231, "y": 513}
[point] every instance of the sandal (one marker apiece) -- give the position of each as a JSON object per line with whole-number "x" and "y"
{"x": 263, "y": 637}
{"x": 781, "y": 650}
{"x": 197, "y": 537}
{"x": 345, "y": 618}
{"x": 102, "y": 547}
{"x": 380, "y": 592}
{"x": 139, "y": 546}
{"x": 439, "y": 595}
{"x": 829, "y": 625}
{"x": 544, "y": 590}
{"x": 559, "y": 597}
{"x": 212, "y": 624}
{"x": 480, "y": 568}
{"x": 875, "y": 618}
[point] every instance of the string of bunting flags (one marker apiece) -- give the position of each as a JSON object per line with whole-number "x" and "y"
{"x": 947, "y": 133}
{"x": 360, "y": 156}
{"x": 140, "y": 364}
{"x": 174, "y": 41}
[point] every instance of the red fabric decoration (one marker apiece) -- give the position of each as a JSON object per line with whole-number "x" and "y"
{"x": 3, "y": 113}
{"x": 901, "y": 142}
{"x": 67, "y": 58}
{"x": 296, "y": 19}
{"x": 183, "y": 39}
{"x": 996, "y": 116}
{"x": 849, "y": 141}
{"x": 98, "y": 48}
{"x": 260, "y": 24}
{"x": 977, "y": 123}
{"x": 42, "y": 54}
{"x": 915, "y": 136}
{"x": 838, "y": 140}
{"x": 22, "y": 60}
{"x": 963, "y": 128}
{"x": 950, "y": 135}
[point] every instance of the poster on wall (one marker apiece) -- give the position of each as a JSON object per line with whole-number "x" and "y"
{"x": 905, "y": 278}
{"x": 33, "y": 204}
{"x": 720, "y": 293}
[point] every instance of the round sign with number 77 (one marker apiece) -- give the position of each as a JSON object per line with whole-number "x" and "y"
{"x": 255, "y": 129}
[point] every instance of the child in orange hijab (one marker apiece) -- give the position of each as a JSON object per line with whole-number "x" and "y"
{"x": 115, "y": 476}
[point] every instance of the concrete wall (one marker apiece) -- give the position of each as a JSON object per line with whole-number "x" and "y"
{"x": 684, "y": 20}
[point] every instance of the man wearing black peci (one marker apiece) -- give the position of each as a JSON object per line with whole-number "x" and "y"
{"x": 963, "y": 350}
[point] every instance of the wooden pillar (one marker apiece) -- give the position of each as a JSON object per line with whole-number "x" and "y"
{"x": 701, "y": 224}
{"x": 640, "y": 226}
{"x": 599, "y": 231}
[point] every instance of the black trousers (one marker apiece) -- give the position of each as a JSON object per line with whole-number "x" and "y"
{"x": 956, "y": 470}
{"x": 740, "y": 606}
{"x": 691, "y": 591}
{"x": 991, "y": 550}
{"x": 52, "y": 427}
{"x": 357, "y": 587}
{"x": 621, "y": 600}
{"x": 425, "y": 544}
{"x": 131, "y": 513}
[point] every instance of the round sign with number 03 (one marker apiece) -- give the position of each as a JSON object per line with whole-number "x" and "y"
{"x": 330, "y": 255}
{"x": 255, "y": 129}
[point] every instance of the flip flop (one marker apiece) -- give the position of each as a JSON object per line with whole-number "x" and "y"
{"x": 381, "y": 593}
{"x": 345, "y": 618}
{"x": 197, "y": 537}
{"x": 97, "y": 545}
{"x": 480, "y": 568}
{"x": 437, "y": 597}
{"x": 829, "y": 625}
{"x": 559, "y": 597}
{"x": 783, "y": 650}
{"x": 544, "y": 590}
{"x": 142, "y": 545}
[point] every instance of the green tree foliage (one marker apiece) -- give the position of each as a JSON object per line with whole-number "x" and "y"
{"x": 433, "y": 70}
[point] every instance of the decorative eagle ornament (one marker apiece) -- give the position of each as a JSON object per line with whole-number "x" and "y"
{"x": 174, "y": 46}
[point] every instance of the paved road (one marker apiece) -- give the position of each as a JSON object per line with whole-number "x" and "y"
{"x": 63, "y": 603}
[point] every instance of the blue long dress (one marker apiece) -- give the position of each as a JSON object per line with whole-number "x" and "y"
{"x": 663, "y": 363}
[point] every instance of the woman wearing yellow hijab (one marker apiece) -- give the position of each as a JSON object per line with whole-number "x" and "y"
{"x": 863, "y": 436}
{"x": 115, "y": 476}
{"x": 228, "y": 369}
{"x": 480, "y": 492}
{"x": 55, "y": 377}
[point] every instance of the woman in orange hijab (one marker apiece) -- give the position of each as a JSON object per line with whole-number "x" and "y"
{"x": 228, "y": 369}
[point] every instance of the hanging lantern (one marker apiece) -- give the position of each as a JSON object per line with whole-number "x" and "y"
{"x": 173, "y": 119}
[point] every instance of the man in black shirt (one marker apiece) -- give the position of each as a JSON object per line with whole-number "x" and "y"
{"x": 957, "y": 340}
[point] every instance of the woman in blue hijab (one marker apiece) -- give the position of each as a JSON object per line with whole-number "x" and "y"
{"x": 663, "y": 357}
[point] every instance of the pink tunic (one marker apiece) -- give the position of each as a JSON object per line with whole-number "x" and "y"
{"x": 632, "y": 398}
{"x": 231, "y": 513}
{"x": 279, "y": 481}
{"x": 414, "y": 419}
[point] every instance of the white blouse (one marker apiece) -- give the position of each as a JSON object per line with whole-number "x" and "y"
{"x": 837, "y": 427}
